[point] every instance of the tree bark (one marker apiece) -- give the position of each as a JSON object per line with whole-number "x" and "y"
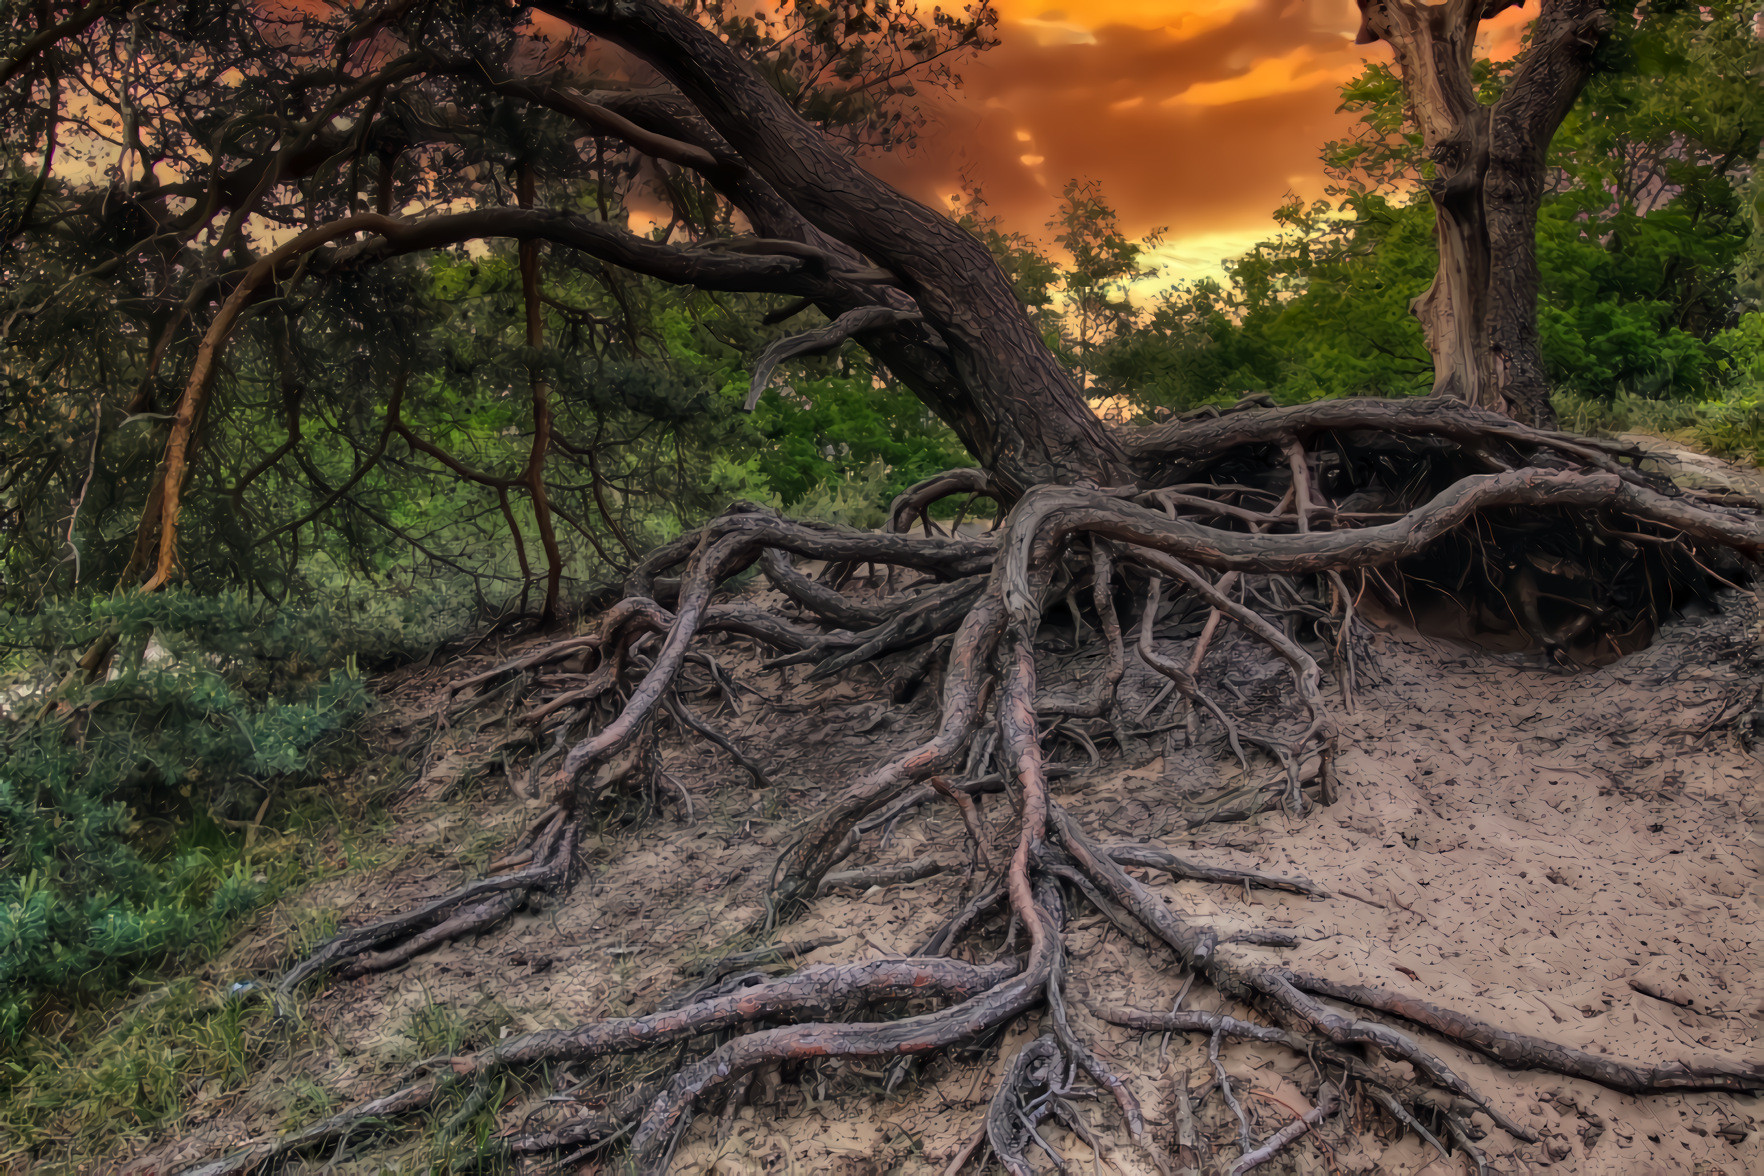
{"x": 540, "y": 390}
{"x": 1486, "y": 184}
{"x": 1017, "y": 410}
{"x": 1537, "y": 98}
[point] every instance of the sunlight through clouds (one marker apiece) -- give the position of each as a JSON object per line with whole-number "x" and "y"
{"x": 1195, "y": 114}
{"x": 1298, "y": 70}
{"x": 1199, "y": 115}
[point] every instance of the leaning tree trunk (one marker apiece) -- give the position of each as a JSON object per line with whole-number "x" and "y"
{"x": 1486, "y": 184}
{"x": 1016, "y": 409}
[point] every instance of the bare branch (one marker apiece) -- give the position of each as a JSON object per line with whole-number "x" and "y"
{"x": 817, "y": 342}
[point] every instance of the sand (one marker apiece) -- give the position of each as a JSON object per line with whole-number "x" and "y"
{"x": 1573, "y": 856}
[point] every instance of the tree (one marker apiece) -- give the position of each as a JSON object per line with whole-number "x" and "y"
{"x": 1104, "y": 265}
{"x": 1643, "y": 221}
{"x": 1486, "y": 170}
{"x": 1145, "y": 517}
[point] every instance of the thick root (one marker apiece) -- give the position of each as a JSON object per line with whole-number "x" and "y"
{"x": 1270, "y": 546}
{"x": 468, "y": 910}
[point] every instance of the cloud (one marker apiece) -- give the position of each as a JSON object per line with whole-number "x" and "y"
{"x": 1292, "y": 72}
{"x": 1195, "y": 115}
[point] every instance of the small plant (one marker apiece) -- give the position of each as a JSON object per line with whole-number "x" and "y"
{"x": 94, "y": 1078}
{"x": 436, "y": 1030}
{"x": 856, "y": 500}
{"x": 1729, "y": 425}
{"x": 308, "y": 1101}
{"x": 130, "y": 804}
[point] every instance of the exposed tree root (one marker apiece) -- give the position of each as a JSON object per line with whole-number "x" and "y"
{"x": 1355, "y": 504}
{"x": 549, "y": 850}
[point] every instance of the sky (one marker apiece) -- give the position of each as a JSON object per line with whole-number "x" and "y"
{"x": 1196, "y": 116}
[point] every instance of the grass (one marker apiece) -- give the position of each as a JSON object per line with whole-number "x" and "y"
{"x": 1729, "y": 425}
{"x": 91, "y": 1080}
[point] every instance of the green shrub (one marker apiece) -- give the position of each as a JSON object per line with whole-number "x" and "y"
{"x": 1729, "y": 425}
{"x": 122, "y": 801}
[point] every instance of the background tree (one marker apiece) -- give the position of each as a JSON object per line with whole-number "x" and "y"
{"x": 1485, "y": 177}
{"x": 1103, "y": 267}
{"x": 1639, "y": 301}
{"x": 313, "y": 431}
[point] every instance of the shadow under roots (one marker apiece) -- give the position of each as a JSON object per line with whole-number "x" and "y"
{"x": 1567, "y": 588}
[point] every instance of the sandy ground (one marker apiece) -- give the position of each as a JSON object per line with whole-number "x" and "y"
{"x": 1570, "y": 856}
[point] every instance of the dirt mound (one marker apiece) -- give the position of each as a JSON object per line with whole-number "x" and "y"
{"x": 1571, "y": 856}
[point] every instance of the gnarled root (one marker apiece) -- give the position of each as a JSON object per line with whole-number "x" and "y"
{"x": 549, "y": 851}
{"x": 1217, "y": 543}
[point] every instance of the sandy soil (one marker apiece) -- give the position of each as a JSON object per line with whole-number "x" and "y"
{"x": 1570, "y": 856}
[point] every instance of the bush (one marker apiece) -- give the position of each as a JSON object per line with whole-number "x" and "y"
{"x": 1729, "y": 425}
{"x": 122, "y": 801}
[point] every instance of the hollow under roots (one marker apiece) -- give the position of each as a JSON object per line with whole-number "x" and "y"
{"x": 1279, "y": 522}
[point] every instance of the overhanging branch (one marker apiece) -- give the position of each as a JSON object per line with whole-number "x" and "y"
{"x": 820, "y": 341}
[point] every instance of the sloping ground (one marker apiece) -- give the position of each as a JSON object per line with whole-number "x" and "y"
{"x": 1575, "y": 857}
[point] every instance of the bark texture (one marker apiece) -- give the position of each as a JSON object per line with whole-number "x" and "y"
{"x": 1487, "y": 173}
{"x": 1022, "y": 415}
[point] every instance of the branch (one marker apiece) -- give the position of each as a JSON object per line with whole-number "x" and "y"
{"x": 949, "y": 272}
{"x": 753, "y": 266}
{"x": 73, "y": 26}
{"x": 1196, "y": 443}
{"x": 821, "y": 341}
{"x": 1072, "y": 509}
{"x": 1549, "y": 78}
{"x": 911, "y": 354}
{"x": 597, "y": 118}
{"x": 713, "y": 269}
{"x": 1376, "y": 23}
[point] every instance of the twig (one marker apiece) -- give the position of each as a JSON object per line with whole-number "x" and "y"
{"x": 1326, "y": 1102}
{"x": 1243, "y": 1126}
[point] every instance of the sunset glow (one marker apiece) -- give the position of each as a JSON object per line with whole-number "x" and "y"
{"x": 1195, "y": 115}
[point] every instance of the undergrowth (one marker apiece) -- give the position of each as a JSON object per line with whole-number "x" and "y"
{"x": 146, "y": 816}
{"x": 1727, "y": 423}
{"x": 149, "y": 817}
{"x": 1729, "y": 426}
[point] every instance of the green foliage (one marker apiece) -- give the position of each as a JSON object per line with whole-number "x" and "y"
{"x": 1648, "y": 243}
{"x": 1103, "y": 266}
{"x": 1742, "y": 348}
{"x": 830, "y": 429}
{"x": 1319, "y": 310}
{"x": 120, "y": 800}
{"x": 856, "y": 500}
{"x": 101, "y": 1079}
{"x": 1729, "y": 424}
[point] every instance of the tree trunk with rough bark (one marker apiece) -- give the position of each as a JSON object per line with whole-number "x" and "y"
{"x": 1017, "y": 410}
{"x": 1487, "y": 172}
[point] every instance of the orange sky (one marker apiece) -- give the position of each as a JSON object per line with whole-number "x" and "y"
{"x": 1193, "y": 114}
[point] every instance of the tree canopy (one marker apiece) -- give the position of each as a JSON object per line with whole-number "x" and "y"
{"x": 180, "y": 174}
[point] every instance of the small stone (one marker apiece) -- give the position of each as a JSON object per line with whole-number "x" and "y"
{"x": 1558, "y": 1149}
